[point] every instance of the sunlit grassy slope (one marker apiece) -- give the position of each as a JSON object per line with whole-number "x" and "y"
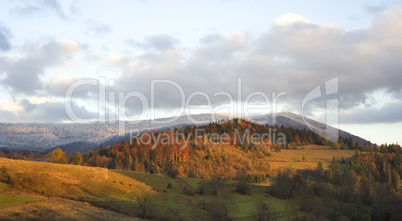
{"x": 293, "y": 158}
{"x": 52, "y": 185}
{"x": 60, "y": 209}
{"x": 75, "y": 182}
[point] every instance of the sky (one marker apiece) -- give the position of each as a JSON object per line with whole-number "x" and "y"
{"x": 139, "y": 59}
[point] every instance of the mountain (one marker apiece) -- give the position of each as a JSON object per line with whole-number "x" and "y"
{"x": 46, "y": 136}
{"x": 296, "y": 121}
{"x": 79, "y": 137}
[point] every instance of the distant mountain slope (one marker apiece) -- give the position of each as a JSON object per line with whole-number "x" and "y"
{"x": 79, "y": 137}
{"x": 45, "y": 136}
{"x": 296, "y": 121}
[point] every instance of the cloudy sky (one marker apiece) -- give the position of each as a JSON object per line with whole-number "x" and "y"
{"x": 202, "y": 49}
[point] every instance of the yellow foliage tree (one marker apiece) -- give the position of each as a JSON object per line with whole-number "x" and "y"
{"x": 57, "y": 156}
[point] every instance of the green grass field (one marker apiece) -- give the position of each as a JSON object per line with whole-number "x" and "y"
{"x": 7, "y": 200}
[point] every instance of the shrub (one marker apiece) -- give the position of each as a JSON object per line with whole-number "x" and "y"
{"x": 282, "y": 187}
{"x": 266, "y": 152}
{"x": 242, "y": 182}
{"x": 201, "y": 189}
{"x": 260, "y": 155}
{"x": 4, "y": 175}
{"x": 15, "y": 180}
{"x": 188, "y": 192}
{"x": 263, "y": 211}
{"x": 221, "y": 207}
{"x": 169, "y": 186}
{"x": 144, "y": 203}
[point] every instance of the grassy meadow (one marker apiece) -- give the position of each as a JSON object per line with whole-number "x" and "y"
{"x": 293, "y": 158}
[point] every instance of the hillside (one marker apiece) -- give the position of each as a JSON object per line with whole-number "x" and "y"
{"x": 80, "y": 137}
{"x": 69, "y": 181}
{"x": 218, "y": 151}
{"x": 60, "y": 209}
{"x": 87, "y": 193}
{"x": 296, "y": 121}
{"x": 40, "y": 190}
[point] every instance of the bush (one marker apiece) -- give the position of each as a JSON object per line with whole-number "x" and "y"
{"x": 169, "y": 186}
{"x": 242, "y": 182}
{"x": 221, "y": 207}
{"x": 201, "y": 189}
{"x": 277, "y": 148}
{"x": 4, "y": 175}
{"x": 260, "y": 155}
{"x": 282, "y": 186}
{"x": 172, "y": 170}
{"x": 187, "y": 191}
{"x": 145, "y": 205}
{"x": 263, "y": 211}
{"x": 243, "y": 188}
{"x": 17, "y": 180}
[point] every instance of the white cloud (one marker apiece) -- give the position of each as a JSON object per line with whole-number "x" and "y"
{"x": 40, "y": 100}
{"x": 290, "y": 18}
{"x": 41, "y": 110}
{"x": 24, "y": 74}
{"x": 12, "y": 106}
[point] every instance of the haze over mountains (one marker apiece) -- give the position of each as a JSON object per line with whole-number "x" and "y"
{"x": 79, "y": 137}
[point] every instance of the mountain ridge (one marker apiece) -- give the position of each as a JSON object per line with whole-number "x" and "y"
{"x": 79, "y": 137}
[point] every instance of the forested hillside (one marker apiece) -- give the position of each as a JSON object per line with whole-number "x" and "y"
{"x": 214, "y": 151}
